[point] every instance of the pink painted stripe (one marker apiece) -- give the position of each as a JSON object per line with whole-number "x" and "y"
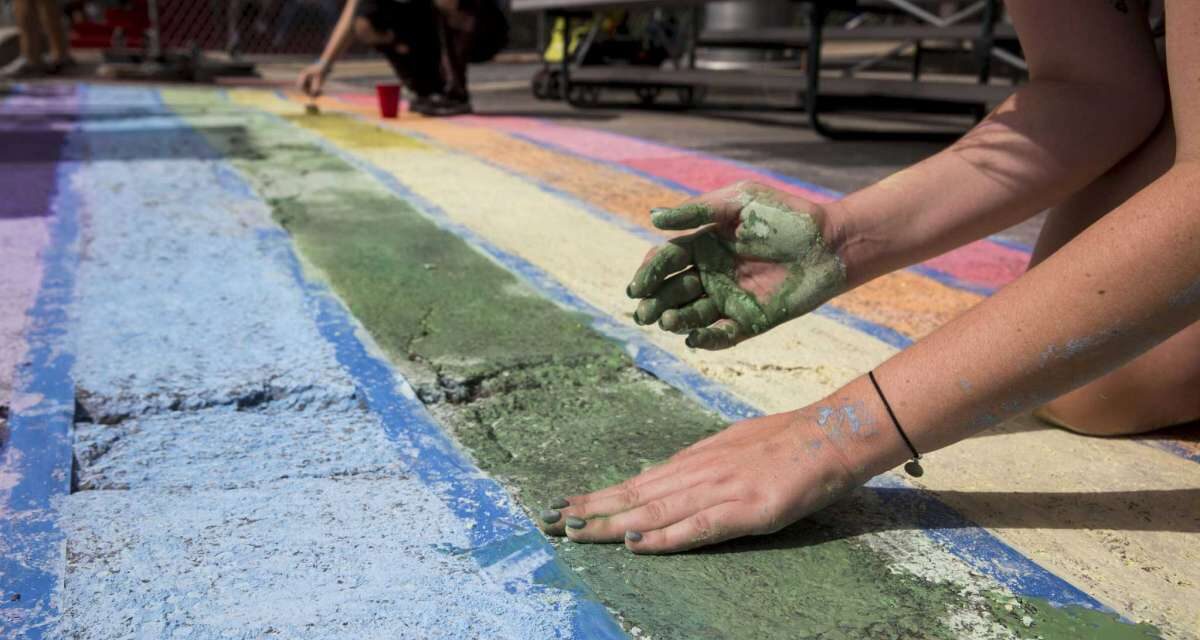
{"x": 366, "y": 101}
{"x": 685, "y": 168}
{"x": 358, "y": 99}
{"x": 705, "y": 174}
{"x": 598, "y": 145}
{"x": 980, "y": 264}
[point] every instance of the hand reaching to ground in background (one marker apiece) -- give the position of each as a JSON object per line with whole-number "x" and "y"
{"x": 759, "y": 258}
{"x": 312, "y": 79}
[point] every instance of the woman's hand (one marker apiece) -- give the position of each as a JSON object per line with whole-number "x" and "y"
{"x": 755, "y": 477}
{"x": 312, "y": 79}
{"x": 761, "y": 257}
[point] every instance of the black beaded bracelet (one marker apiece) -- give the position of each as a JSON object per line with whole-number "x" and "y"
{"x": 912, "y": 467}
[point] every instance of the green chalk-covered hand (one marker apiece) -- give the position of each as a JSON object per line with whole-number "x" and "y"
{"x": 754, "y": 478}
{"x": 758, "y": 258}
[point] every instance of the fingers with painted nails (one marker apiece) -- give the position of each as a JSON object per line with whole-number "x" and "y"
{"x": 757, "y": 258}
{"x": 753, "y": 478}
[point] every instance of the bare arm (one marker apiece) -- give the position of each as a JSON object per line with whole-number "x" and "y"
{"x": 312, "y": 78}
{"x": 341, "y": 37}
{"x": 1086, "y": 106}
{"x": 1096, "y": 93}
{"x": 1123, "y": 285}
{"x": 1126, "y": 283}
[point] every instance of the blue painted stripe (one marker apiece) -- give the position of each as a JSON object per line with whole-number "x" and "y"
{"x": 974, "y": 545}
{"x": 501, "y": 535}
{"x": 982, "y": 551}
{"x": 880, "y": 332}
{"x": 1170, "y": 446}
{"x": 1011, "y": 244}
{"x": 38, "y": 453}
{"x": 951, "y": 281}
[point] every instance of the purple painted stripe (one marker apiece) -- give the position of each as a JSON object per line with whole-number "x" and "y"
{"x": 33, "y": 127}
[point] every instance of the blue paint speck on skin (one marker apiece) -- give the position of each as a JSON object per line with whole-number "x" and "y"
{"x": 823, "y": 415}
{"x": 852, "y": 417}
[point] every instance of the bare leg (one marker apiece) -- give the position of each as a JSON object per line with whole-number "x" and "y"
{"x": 31, "y": 30}
{"x": 54, "y": 30}
{"x": 1162, "y": 387}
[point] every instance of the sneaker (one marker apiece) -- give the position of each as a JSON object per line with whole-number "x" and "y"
{"x": 442, "y": 106}
{"x": 21, "y": 69}
{"x": 58, "y": 66}
{"x": 421, "y": 104}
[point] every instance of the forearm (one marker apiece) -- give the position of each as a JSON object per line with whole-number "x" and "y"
{"x": 1126, "y": 283}
{"x": 340, "y": 39}
{"x": 1049, "y": 139}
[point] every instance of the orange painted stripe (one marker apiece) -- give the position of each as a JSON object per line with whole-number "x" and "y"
{"x": 909, "y": 303}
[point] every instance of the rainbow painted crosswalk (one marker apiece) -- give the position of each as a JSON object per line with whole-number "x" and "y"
{"x": 193, "y": 315}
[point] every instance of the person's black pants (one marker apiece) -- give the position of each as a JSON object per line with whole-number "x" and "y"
{"x": 438, "y": 41}
{"x": 415, "y": 27}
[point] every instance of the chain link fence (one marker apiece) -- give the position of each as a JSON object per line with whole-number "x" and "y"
{"x": 249, "y": 27}
{"x": 237, "y": 28}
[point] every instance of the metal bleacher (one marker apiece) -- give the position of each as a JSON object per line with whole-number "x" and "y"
{"x": 973, "y": 29}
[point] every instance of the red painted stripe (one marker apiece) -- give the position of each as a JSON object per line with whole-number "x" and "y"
{"x": 982, "y": 263}
{"x": 706, "y": 174}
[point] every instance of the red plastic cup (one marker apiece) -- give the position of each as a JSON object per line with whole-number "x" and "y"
{"x": 389, "y": 99}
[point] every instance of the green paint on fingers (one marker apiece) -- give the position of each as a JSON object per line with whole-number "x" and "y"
{"x": 773, "y": 266}
{"x": 676, "y": 291}
{"x": 688, "y": 216}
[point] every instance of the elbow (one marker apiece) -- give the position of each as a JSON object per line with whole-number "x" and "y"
{"x": 1125, "y": 110}
{"x": 1142, "y": 109}
{"x": 1131, "y": 111}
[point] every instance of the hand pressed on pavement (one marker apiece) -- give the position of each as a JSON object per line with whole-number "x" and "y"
{"x": 755, "y": 477}
{"x": 759, "y": 258}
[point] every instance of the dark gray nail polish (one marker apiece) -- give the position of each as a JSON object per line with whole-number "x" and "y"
{"x": 633, "y": 536}
{"x": 629, "y": 291}
{"x": 576, "y": 523}
{"x": 559, "y": 503}
{"x": 690, "y": 341}
{"x": 549, "y": 516}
